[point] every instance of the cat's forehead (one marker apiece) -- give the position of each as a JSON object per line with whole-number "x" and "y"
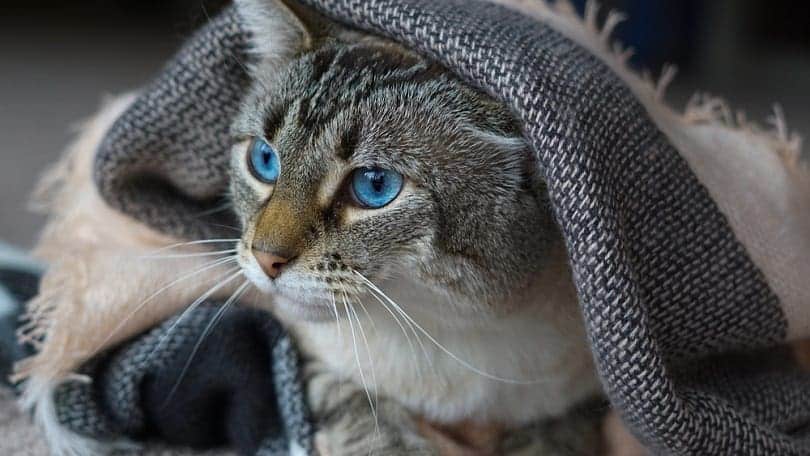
{"x": 322, "y": 84}
{"x": 328, "y": 99}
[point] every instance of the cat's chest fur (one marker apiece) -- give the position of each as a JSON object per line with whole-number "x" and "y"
{"x": 539, "y": 354}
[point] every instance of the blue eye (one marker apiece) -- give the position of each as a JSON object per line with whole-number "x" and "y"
{"x": 375, "y": 187}
{"x": 263, "y": 159}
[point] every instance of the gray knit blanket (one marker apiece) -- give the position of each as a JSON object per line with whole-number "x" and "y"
{"x": 666, "y": 289}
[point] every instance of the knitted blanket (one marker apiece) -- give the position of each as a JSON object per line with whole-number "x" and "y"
{"x": 687, "y": 234}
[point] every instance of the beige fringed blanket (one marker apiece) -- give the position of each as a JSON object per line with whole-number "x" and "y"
{"x": 708, "y": 253}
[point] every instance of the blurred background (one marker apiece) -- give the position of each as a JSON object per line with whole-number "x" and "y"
{"x": 58, "y": 59}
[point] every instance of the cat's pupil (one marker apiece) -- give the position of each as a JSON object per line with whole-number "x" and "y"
{"x": 266, "y": 158}
{"x": 378, "y": 181}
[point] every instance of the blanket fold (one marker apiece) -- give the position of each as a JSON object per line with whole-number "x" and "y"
{"x": 237, "y": 386}
{"x": 149, "y": 162}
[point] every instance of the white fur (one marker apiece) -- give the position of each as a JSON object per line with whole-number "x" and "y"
{"x": 541, "y": 349}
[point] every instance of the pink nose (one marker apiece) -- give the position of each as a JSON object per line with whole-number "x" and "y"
{"x": 271, "y": 263}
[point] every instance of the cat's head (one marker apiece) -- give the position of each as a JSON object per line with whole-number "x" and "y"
{"x": 358, "y": 161}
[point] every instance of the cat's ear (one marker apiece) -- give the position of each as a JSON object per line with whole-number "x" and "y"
{"x": 281, "y": 28}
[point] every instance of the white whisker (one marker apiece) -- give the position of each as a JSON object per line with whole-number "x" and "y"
{"x": 221, "y": 208}
{"x": 208, "y": 328}
{"x": 416, "y": 335}
{"x": 139, "y": 307}
{"x": 184, "y": 244}
{"x": 188, "y": 255}
{"x": 232, "y": 228}
{"x": 337, "y": 317}
{"x": 357, "y": 360}
{"x": 370, "y": 363}
{"x": 442, "y": 347}
{"x": 415, "y": 359}
{"x": 365, "y": 311}
{"x": 193, "y": 306}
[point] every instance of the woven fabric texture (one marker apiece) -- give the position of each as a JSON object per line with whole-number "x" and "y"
{"x": 238, "y": 385}
{"x": 661, "y": 278}
{"x": 155, "y": 161}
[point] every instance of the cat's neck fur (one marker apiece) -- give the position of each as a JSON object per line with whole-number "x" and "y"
{"x": 543, "y": 343}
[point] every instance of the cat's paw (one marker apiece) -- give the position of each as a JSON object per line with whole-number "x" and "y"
{"x": 349, "y": 423}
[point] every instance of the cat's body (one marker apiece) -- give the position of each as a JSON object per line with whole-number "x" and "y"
{"x": 394, "y": 219}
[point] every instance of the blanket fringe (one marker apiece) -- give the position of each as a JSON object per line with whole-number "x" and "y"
{"x": 702, "y": 109}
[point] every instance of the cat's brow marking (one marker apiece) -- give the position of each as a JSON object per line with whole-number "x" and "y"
{"x": 348, "y": 141}
{"x": 339, "y": 84}
{"x": 330, "y": 186}
{"x": 275, "y": 120}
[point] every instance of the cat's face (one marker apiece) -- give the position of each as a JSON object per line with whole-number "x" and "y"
{"x": 361, "y": 162}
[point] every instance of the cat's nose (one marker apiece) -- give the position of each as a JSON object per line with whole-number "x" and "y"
{"x": 270, "y": 262}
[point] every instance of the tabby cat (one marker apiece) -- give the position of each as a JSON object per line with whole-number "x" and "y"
{"x": 394, "y": 219}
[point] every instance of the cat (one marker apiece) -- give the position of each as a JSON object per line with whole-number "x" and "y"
{"x": 392, "y": 217}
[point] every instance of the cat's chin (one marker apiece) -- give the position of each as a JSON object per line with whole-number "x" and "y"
{"x": 296, "y": 309}
{"x": 285, "y": 299}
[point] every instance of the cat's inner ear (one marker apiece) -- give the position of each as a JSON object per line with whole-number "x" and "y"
{"x": 281, "y": 28}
